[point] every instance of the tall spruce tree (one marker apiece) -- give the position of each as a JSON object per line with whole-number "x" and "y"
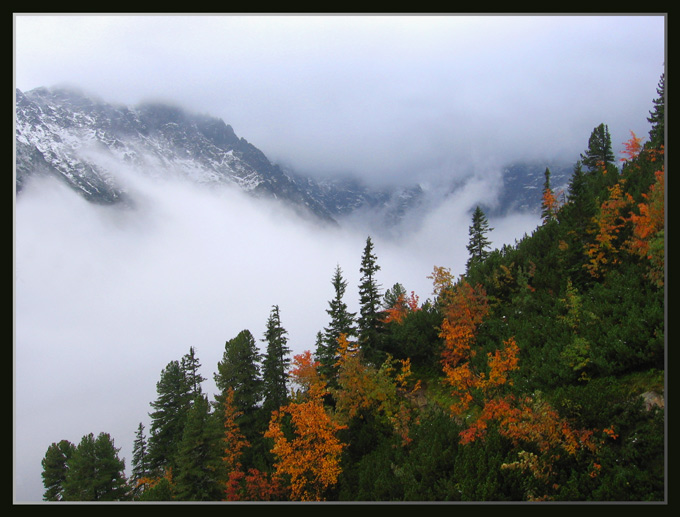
{"x": 190, "y": 365}
{"x": 478, "y": 245}
{"x": 342, "y": 321}
{"x": 275, "y": 363}
{"x": 240, "y": 370}
{"x": 199, "y": 456}
{"x": 369, "y": 300}
{"x": 55, "y": 469}
{"x": 169, "y": 417}
{"x": 140, "y": 458}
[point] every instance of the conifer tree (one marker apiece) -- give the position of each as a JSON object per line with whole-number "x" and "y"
{"x": 393, "y": 295}
{"x": 341, "y": 322}
{"x": 55, "y": 469}
{"x": 190, "y": 365}
{"x": 198, "y": 458}
{"x": 478, "y": 244}
{"x": 169, "y": 417}
{"x": 140, "y": 460}
{"x": 657, "y": 116}
{"x": 369, "y": 299}
{"x": 240, "y": 370}
{"x": 549, "y": 202}
{"x": 599, "y": 154}
{"x": 95, "y": 472}
{"x": 580, "y": 206}
{"x": 275, "y": 363}
{"x": 78, "y": 485}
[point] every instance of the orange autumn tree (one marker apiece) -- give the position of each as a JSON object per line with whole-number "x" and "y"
{"x": 608, "y": 223}
{"x": 648, "y": 239}
{"x": 306, "y": 446}
{"x": 632, "y": 148}
{"x": 464, "y": 308}
{"x": 364, "y": 388}
{"x": 648, "y": 217}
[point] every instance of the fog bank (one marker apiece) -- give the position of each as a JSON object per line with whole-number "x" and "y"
{"x": 105, "y": 297}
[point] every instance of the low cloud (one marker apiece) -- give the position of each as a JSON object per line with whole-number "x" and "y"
{"x": 106, "y": 296}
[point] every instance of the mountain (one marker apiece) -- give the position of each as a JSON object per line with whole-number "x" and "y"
{"x": 85, "y": 142}
{"x": 523, "y": 185}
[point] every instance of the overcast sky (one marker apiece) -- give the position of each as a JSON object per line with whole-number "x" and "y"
{"x": 402, "y": 97}
{"x": 104, "y": 300}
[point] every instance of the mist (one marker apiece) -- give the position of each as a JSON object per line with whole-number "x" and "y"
{"x": 107, "y": 296}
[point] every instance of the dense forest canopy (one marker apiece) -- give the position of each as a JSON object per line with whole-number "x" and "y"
{"x": 538, "y": 374}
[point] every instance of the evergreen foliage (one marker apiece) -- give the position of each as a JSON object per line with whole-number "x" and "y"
{"x": 369, "y": 300}
{"x": 599, "y": 154}
{"x": 239, "y": 369}
{"x": 95, "y": 472}
{"x": 275, "y": 363}
{"x": 342, "y": 321}
{"x": 169, "y": 417}
{"x": 55, "y": 469}
{"x": 656, "y": 117}
{"x": 190, "y": 365}
{"x": 478, "y": 245}
{"x": 140, "y": 460}
{"x": 198, "y": 461}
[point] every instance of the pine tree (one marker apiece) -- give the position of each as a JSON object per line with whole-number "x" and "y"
{"x": 369, "y": 299}
{"x": 55, "y": 469}
{"x": 549, "y": 202}
{"x": 190, "y": 365}
{"x": 110, "y": 483}
{"x": 275, "y": 363}
{"x": 169, "y": 417}
{"x": 341, "y": 322}
{"x": 140, "y": 460}
{"x": 599, "y": 155}
{"x": 79, "y": 485}
{"x": 393, "y": 295}
{"x": 478, "y": 244}
{"x": 240, "y": 370}
{"x": 95, "y": 472}
{"x": 657, "y": 116}
{"x": 198, "y": 458}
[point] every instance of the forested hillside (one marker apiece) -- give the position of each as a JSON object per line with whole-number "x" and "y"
{"x": 536, "y": 375}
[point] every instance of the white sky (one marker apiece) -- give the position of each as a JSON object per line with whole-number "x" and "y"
{"x": 103, "y": 303}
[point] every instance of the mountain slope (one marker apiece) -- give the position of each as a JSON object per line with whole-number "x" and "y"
{"x": 86, "y": 142}
{"x": 83, "y": 141}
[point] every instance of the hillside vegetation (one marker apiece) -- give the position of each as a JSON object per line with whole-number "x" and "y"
{"x": 538, "y": 374}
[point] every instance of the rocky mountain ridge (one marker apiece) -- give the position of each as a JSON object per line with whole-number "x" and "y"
{"x": 83, "y": 141}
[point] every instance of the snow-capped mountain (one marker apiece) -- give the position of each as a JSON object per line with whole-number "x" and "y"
{"x": 85, "y": 142}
